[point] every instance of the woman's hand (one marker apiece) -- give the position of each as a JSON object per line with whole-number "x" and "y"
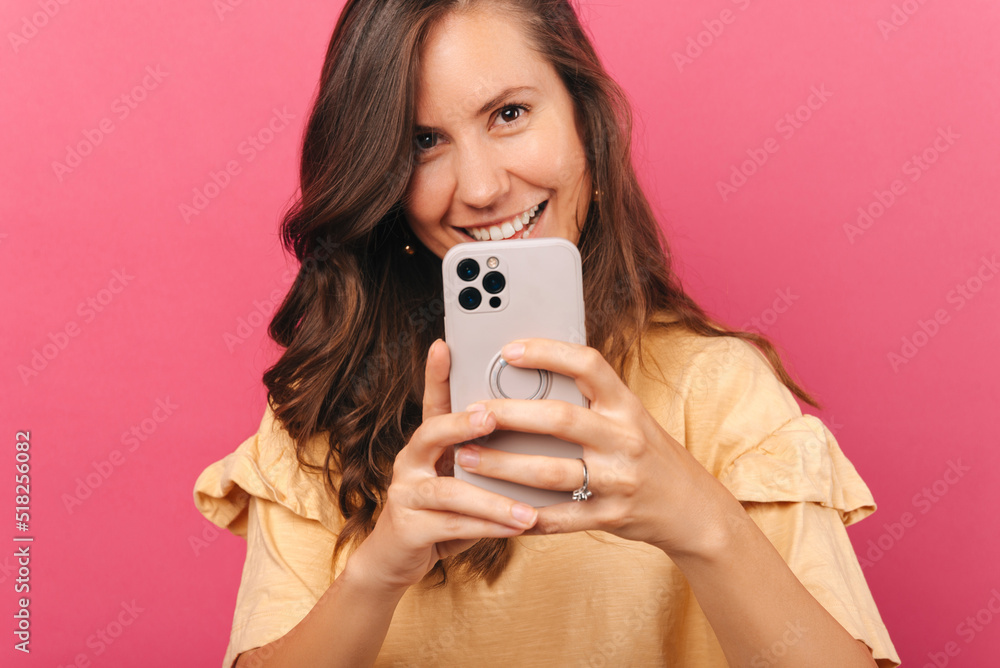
{"x": 428, "y": 516}
{"x": 646, "y": 486}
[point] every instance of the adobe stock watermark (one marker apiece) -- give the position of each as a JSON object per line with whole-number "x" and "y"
{"x": 121, "y": 107}
{"x": 786, "y": 127}
{"x": 420, "y": 319}
{"x": 736, "y": 351}
{"x": 297, "y": 610}
{"x": 106, "y": 635}
{"x": 262, "y": 311}
{"x": 59, "y": 340}
{"x": 607, "y": 311}
{"x": 782, "y": 302}
{"x": 610, "y": 652}
{"x": 772, "y": 654}
{"x": 248, "y": 150}
{"x": 460, "y": 623}
{"x": 698, "y": 43}
{"x": 8, "y": 568}
{"x": 959, "y": 296}
{"x": 968, "y": 629}
{"x": 914, "y": 168}
{"x": 923, "y": 502}
{"x": 899, "y": 17}
{"x": 257, "y": 317}
{"x": 223, "y": 7}
{"x": 33, "y": 24}
{"x": 199, "y": 542}
{"x": 103, "y": 469}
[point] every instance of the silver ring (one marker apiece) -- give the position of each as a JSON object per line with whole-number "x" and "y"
{"x": 583, "y": 493}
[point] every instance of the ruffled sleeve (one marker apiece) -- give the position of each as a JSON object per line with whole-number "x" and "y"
{"x": 801, "y": 461}
{"x": 744, "y": 425}
{"x": 265, "y": 466}
{"x": 290, "y": 523}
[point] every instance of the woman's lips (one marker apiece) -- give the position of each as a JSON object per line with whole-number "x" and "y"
{"x": 532, "y": 223}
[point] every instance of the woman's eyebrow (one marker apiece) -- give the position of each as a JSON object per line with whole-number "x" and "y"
{"x": 487, "y": 106}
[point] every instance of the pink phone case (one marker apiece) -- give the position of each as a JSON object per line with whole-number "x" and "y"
{"x": 542, "y": 296}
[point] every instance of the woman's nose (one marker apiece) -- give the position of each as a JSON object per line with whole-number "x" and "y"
{"x": 481, "y": 175}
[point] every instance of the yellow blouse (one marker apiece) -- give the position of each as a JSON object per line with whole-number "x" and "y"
{"x": 587, "y": 598}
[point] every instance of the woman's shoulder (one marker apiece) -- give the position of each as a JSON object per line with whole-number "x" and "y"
{"x": 675, "y": 355}
{"x": 266, "y": 466}
{"x": 723, "y": 400}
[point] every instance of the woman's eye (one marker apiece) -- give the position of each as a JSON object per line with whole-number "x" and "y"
{"x": 507, "y": 113}
{"x": 424, "y": 141}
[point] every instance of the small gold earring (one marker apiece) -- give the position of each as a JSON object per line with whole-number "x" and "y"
{"x": 597, "y": 195}
{"x": 409, "y": 249}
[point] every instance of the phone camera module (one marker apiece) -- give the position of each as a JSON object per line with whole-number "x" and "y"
{"x": 468, "y": 269}
{"x": 470, "y": 298}
{"x": 494, "y": 282}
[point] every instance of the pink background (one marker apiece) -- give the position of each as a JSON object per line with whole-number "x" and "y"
{"x": 158, "y": 332}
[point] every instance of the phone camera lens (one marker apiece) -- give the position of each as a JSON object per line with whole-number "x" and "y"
{"x": 468, "y": 269}
{"x": 494, "y": 282}
{"x": 470, "y": 298}
{"x": 495, "y": 302}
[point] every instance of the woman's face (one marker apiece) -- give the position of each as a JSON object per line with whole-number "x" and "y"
{"x": 496, "y": 137}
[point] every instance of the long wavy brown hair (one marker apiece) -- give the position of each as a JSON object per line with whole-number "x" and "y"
{"x": 361, "y": 314}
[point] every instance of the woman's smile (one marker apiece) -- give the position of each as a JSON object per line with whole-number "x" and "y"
{"x": 517, "y": 227}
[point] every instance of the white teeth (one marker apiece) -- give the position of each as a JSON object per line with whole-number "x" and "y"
{"x": 531, "y": 227}
{"x": 505, "y": 230}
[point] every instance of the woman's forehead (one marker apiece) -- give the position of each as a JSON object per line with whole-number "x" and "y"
{"x": 471, "y": 58}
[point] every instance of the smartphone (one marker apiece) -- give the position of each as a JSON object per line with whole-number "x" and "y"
{"x": 495, "y": 292}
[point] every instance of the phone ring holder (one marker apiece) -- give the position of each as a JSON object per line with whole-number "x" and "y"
{"x": 511, "y": 382}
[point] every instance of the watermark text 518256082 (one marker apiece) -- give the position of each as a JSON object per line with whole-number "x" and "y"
{"x": 22, "y": 543}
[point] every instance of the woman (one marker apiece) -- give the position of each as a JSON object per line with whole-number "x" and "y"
{"x": 438, "y": 123}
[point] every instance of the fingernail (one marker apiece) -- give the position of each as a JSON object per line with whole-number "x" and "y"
{"x": 468, "y": 457}
{"x": 523, "y": 513}
{"x": 512, "y": 351}
{"x": 486, "y": 419}
{"x": 478, "y": 418}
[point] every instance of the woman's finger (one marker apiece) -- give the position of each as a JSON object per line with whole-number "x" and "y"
{"x": 459, "y": 497}
{"x": 561, "y": 474}
{"x": 437, "y": 392}
{"x": 562, "y": 419}
{"x": 444, "y": 527}
{"x": 593, "y": 375}
{"x": 437, "y": 435}
{"x": 437, "y": 395}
